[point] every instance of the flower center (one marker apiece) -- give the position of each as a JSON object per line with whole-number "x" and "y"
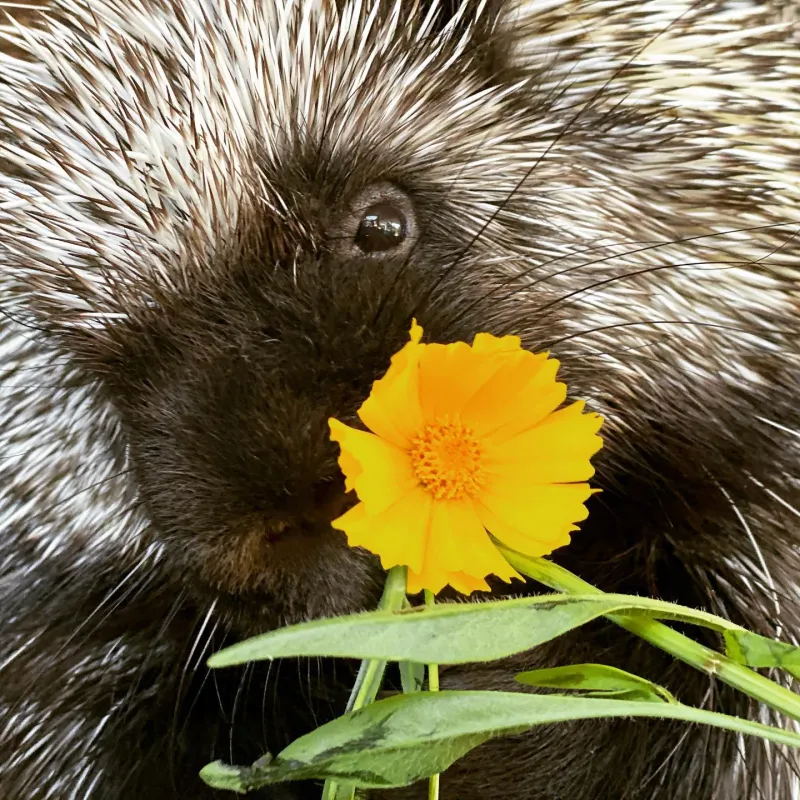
{"x": 446, "y": 458}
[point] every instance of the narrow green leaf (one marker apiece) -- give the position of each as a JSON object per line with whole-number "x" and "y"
{"x": 597, "y": 680}
{"x": 223, "y": 776}
{"x": 453, "y": 633}
{"x": 405, "y": 738}
{"x": 412, "y": 676}
{"x": 632, "y": 696}
{"x": 740, "y": 677}
{"x": 753, "y": 650}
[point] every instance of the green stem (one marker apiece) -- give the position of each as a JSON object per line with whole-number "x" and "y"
{"x": 676, "y": 644}
{"x": 370, "y": 673}
{"x": 329, "y": 790}
{"x": 433, "y": 686}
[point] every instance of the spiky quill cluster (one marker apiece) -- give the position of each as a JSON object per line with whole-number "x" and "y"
{"x": 625, "y": 174}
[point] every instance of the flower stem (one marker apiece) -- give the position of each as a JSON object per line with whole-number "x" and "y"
{"x": 676, "y": 644}
{"x": 433, "y": 686}
{"x": 329, "y": 790}
{"x": 370, "y": 673}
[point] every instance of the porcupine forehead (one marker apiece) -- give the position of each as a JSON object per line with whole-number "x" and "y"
{"x": 140, "y": 157}
{"x": 134, "y": 125}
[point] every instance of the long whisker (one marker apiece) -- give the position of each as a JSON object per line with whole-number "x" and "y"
{"x": 759, "y": 555}
{"x": 685, "y": 322}
{"x": 631, "y": 352}
{"x": 187, "y": 669}
{"x": 23, "y": 324}
{"x": 568, "y": 126}
{"x": 476, "y": 48}
{"x": 46, "y": 365}
{"x": 110, "y": 602}
{"x": 665, "y": 762}
{"x": 247, "y": 671}
{"x": 168, "y": 620}
{"x": 704, "y": 265}
{"x": 264, "y": 734}
{"x": 89, "y": 488}
{"x": 645, "y": 247}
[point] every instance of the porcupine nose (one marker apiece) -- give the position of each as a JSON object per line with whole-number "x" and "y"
{"x": 327, "y": 501}
{"x": 330, "y": 497}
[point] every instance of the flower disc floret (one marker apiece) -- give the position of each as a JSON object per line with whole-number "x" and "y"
{"x": 447, "y": 460}
{"x": 464, "y": 441}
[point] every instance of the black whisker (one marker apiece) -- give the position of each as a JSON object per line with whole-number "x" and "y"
{"x": 705, "y": 266}
{"x": 568, "y": 126}
{"x": 689, "y": 323}
{"x": 645, "y": 248}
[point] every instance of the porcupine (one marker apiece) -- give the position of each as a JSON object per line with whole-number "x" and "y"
{"x": 217, "y": 220}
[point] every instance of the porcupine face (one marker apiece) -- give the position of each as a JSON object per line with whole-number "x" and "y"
{"x": 227, "y": 214}
{"x": 232, "y": 231}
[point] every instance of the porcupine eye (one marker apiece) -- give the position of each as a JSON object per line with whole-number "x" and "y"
{"x": 383, "y": 227}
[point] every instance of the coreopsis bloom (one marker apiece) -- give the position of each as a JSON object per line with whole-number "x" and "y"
{"x": 465, "y": 439}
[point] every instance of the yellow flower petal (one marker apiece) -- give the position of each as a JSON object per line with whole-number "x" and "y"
{"x": 351, "y": 468}
{"x": 415, "y": 334}
{"x": 432, "y": 578}
{"x": 539, "y": 508}
{"x": 459, "y": 552}
{"x": 518, "y": 396}
{"x": 541, "y": 515}
{"x": 449, "y": 375}
{"x": 466, "y": 584}
{"x": 435, "y": 580}
{"x": 398, "y": 535}
{"x": 458, "y": 542}
{"x": 383, "y": 473}
{"x": 524, "y": 542}
{"x": 392, "y": 410}
{"x": 555, "y": 451}
{"x": 487, "y": 343}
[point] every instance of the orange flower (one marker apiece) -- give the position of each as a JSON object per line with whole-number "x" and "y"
{"x": 464, "y": 440}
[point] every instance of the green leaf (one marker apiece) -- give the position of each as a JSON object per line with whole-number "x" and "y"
{"x": 598, "y": 680}
{"x": 738, "y": 676}
{"x": 412, "y": 676}
{"x": 452, "y": 633}
{"x": 753, "y": 650}
{"x": 405, "y": 738}
{"x": 223, "y": 776}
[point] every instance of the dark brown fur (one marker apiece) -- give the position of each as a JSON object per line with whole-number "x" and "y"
{"x": 223, "y": 391}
